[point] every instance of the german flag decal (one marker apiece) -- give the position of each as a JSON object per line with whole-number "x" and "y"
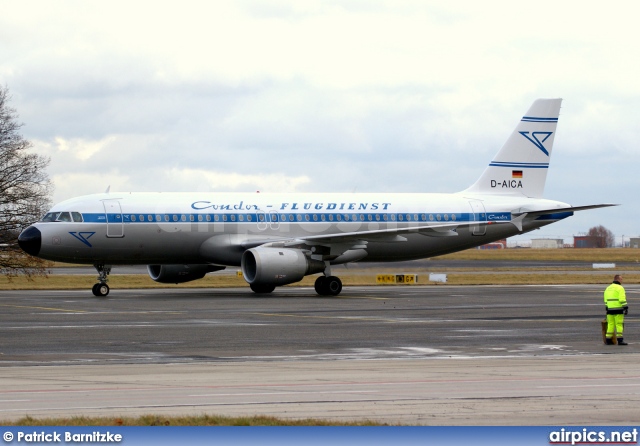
{"x": 516, "y": 174}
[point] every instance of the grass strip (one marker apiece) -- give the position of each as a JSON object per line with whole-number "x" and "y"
{"x": 198, "y": 420}
{"x": 83, "y": 282}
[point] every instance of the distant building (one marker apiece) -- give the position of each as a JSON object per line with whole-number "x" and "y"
{"x": 547, "y": 243}
{"x": 634, "y": 242}
{"x": 588, "y": 241}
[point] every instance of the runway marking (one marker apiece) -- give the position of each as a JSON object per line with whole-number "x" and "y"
{"x": 363, "y": 297}
{"x": 355, "y": 318}
{"x": 341, "y": 392}
{"x": 44, "y": 308}
{"x": 203, "y": 404}
{"x": 35, "y": 327}
{"x": 596, "y": 385}
{"x": 136, "y": 312}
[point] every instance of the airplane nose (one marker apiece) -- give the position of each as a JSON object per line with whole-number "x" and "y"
{"x": 30, "y": 240}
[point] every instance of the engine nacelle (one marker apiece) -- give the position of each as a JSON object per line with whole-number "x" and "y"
{"x": 180, "y": 273}
{"x": 277, "y": 266}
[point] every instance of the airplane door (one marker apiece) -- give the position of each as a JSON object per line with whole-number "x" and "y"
{"x": 262, "y": 220}
{"x": 115, "y": 224}
{"x": 479, "y": 214}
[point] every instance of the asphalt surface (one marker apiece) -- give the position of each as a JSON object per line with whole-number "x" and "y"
{"x": 413, "y": 355}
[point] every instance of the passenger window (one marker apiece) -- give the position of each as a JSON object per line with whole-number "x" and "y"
{"x": 77, "y": 217}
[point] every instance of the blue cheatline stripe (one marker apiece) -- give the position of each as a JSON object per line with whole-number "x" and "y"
{"x": 288, "y": 217}
{"x": 535, "y": 119}
{"x": 519, "y": 165}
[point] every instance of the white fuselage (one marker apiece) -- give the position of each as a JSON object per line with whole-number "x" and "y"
{"x": 216, "y": 228}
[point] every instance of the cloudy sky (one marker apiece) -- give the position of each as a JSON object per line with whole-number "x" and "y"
{"x": 335, "y": 96}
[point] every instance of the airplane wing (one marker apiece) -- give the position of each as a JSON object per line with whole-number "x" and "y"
{"x": 392, "y": 235}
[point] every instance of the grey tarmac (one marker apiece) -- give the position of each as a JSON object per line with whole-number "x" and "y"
{"x": 418, "y": 355}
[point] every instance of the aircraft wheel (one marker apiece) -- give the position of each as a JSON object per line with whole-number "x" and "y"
{"x": 262, "y": 288}
{"x": 321, "y": 286}
{"x": 333, "y": 285}
{"x": 100, "y": 289}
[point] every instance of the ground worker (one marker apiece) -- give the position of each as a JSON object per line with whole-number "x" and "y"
{"x": 616, "y": 302}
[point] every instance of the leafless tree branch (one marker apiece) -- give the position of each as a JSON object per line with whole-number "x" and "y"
{"x": 24, "y": 192}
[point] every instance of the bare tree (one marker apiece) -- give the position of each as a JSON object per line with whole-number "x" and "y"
{"x": 605, "y": 237}
{"x": 24, "y": 192}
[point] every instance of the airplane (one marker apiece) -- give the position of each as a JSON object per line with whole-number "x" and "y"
{"x": 277, "y": 239}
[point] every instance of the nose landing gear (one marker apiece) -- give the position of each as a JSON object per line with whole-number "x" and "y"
{"x": 101, "y": 289}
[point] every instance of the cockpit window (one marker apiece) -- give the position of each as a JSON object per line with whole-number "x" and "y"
{"x": 63, "y": 216}
{"x": 51, "y": 216}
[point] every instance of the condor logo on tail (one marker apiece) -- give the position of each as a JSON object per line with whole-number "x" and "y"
{"x": 537, "y": 141}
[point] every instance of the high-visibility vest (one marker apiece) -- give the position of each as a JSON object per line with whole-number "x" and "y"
{"x": 615, "y": 297}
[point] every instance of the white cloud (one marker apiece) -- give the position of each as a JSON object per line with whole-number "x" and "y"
{"x": 73, "y": 184}
{"x": 206, "y": 180}
{"x": 82, "y": 149}
{"x": 321, "y": 95}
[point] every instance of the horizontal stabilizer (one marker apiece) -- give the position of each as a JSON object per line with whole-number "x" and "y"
{"x": 518, "y": 217}
{"x": 559, "y": 210}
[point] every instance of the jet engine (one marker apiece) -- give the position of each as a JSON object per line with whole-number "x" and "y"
{"x": 180, "y": 273}
{"x": 264, "y": 268}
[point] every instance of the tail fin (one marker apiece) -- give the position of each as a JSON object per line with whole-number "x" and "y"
{"x": 520, "y": 167}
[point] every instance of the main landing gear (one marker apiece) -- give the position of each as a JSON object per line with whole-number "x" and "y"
{"x": 101, "y": 289}
{"x": 328, "y": 285}
{"x": 262, "y": 288}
